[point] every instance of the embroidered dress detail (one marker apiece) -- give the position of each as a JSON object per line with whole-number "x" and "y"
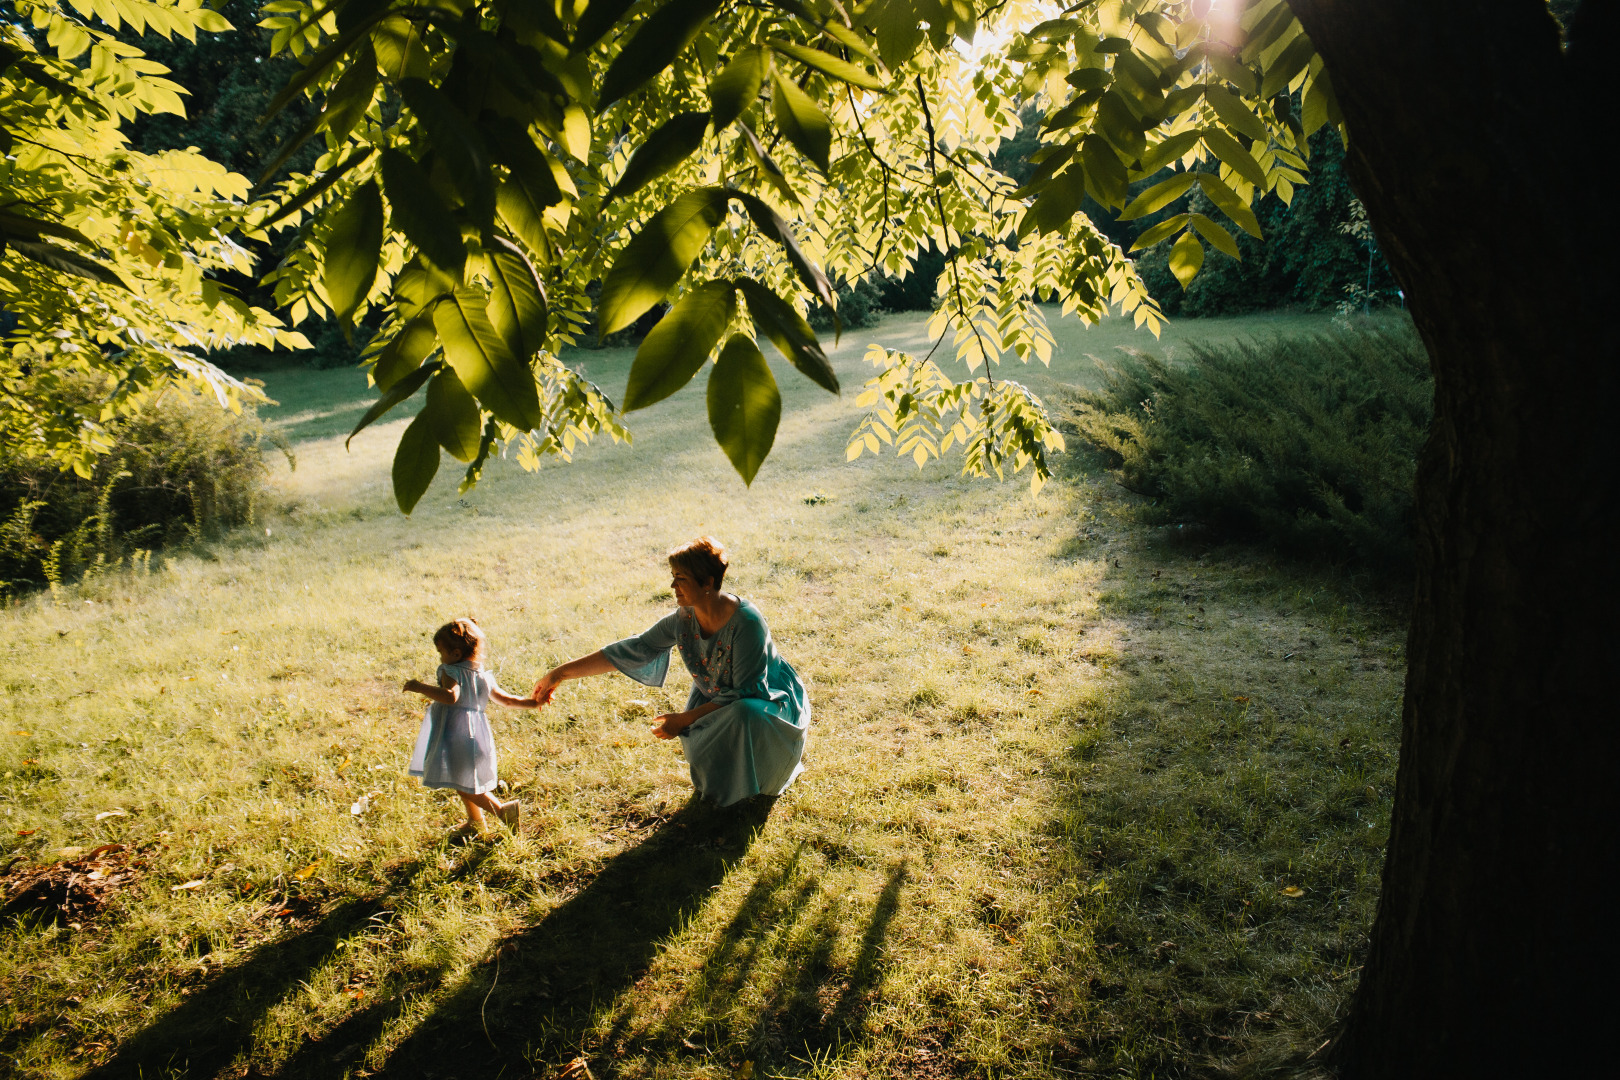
{"x": 455, "y": 747}
{"x": 754, "y": 743}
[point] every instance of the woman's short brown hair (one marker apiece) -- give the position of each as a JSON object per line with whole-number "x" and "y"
{"x": 462, "y": 636}
{"x": 703, "y": 558}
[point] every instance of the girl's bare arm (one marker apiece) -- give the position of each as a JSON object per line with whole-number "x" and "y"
{"x": 511, "y": 701}
{"x": 448, "y": 692}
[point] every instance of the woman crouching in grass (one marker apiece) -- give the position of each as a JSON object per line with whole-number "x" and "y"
{"x": 745, "y": 721}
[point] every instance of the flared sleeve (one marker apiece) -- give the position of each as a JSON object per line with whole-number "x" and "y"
{"x": 645, "y": 657}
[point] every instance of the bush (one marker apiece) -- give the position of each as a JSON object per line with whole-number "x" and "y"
{"x": 1310, "y": 443}
{"x": 859, "y": 305}
{"x": 183, "y": 470}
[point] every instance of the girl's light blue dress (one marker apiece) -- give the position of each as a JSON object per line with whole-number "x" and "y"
{"x": 455, "y": 748}
{"x": 753, "y": 743}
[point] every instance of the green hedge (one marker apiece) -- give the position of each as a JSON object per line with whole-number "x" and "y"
{"x": 1310, "y": 443}
{"x": 184, "y": 470}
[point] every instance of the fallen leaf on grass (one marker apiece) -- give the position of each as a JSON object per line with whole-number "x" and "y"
{"x": 1293, "y": 890}
{"x": 307, "y": 871}
{"x": 116, "y": 811}
{"x": 578, "y": 1069}
{"x": 22, "y": 733}
{"x": 26, "y": 832}
{"x": 1241, "y": 700}
{"x": 194, "y": 883}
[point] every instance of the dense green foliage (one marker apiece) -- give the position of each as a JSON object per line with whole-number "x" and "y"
{"x": 1309, "y": 443}
{"x": 1307, "y": 255}
{"x": 182, "y": 469}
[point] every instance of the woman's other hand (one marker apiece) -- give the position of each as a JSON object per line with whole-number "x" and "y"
{"x": 670, "y": 725}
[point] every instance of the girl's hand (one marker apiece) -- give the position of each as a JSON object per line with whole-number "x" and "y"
{"x": 411, "y": 686}
{"x": 670, "y": 725}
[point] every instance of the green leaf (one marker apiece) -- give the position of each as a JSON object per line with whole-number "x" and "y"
{"x": 457, "y": 144}
{"x": 660, "y": 38}
{"x": 510, "y": 143}
{"x": 789, "y": 332}
{"x": 320, "y": 63}
{"x": 1060, "y": 201}
{"x": 531, "y": 16}
{"x": 1216, "y": 234}
{"x": 523, "y": 218}
{"x": 415, "y": 463}
{"x": 454, "y": 415}
{"x": 1294, "y": 59}
{"x": 771, "y": 170}
{"x": 1158, "y": 196}
{"x": 737, "y": 86}
{"x": 27, "y": 228}
{"x": 1222, "y": 195}
{"x": 420, "y": 285}
{"x": 745, "y": 406}
{"x": 404, "y": 354}
{"x": 676, "y": 349}
{"x": 417, "y": 211}
{"x": 1119, "y": 125}
{"x": 517, "y": 300}
{"x": 66, "y": 261}
{"x": 487, "y": 367}
{"x": 654, "y": 260}
{"x": 1230, "y": 151}
{"x": 598, "y": 19}
{"x": 1157, "y": 157}
{"x": 848, "y": 38}
{"x": 576, "y": 133}
{"x": 1162, "y": 231}
{"x": 1235, "y": 115}
{"x": 401, "y": 52}
{"x": 400, "y": 391}
{"x": 773, "y": 225}
{"x": 828, "y": 64}
{"x": 801, "y": 120}
{"x": 319, "y": 187}
{"x": 352, "y": 95}
{"x": 1185, "y": 258}
{"x": 897, "y": 30}
{"x": 673, "y": 141}
{"x": 353, "y": 245}
{"x": 1105, "y": 171}
{"x": 289, "y": 147}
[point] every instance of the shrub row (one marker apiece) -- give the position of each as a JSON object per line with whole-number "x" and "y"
{"x": 1309, "y": 443}
{"x": 184, "y": 470}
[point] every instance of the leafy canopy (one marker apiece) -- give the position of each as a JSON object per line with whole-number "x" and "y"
{"x": 498, "y": 177}
{"x": 108, "y": 256}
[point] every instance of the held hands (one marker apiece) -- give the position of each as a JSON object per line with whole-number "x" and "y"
{"x": 545, "y": 689}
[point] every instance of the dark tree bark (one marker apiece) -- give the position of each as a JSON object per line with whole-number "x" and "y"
{"x": 1472, "y": 137}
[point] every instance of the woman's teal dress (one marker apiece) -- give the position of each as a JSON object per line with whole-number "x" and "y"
{"x": 753, "y": 743}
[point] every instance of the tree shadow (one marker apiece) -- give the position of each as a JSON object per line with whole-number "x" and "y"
{"x": 535, "y": 997}
{"x": 217, "y": 1022}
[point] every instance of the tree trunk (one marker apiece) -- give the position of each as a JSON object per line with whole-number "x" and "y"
{"x": 1491, "y": 952}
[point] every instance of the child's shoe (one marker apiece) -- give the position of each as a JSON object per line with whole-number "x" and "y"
{"x": 509, "y": 814}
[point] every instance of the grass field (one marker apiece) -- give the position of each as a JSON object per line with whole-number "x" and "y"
{"x": 1081, "y": 798}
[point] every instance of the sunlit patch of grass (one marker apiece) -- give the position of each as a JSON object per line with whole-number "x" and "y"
{"x": 1026, "y": 772}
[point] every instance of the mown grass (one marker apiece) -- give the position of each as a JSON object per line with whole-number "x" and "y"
{"x": 1039, "y": 834}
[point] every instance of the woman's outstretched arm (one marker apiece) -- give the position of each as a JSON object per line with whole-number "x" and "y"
{"x": 595, "y": 663}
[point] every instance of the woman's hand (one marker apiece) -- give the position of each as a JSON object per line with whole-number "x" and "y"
{"x": 546, "y": 689}
{"x": 670, "y": 725}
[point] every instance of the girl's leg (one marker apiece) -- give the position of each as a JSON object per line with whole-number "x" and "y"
{"x": 476, "y": 805}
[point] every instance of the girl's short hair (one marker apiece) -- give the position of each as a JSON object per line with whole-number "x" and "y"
{"x": 703, "y": 558}
{"x": 463, "y": 636}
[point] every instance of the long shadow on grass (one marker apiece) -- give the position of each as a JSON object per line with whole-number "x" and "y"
{"x": 217, "y": 1022}
{"x": 534, "y": 999}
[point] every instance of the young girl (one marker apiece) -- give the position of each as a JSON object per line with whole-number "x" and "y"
{"x": 455, "y": 748}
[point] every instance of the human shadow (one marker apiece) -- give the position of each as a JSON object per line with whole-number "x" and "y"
{"x": 216, "y": 1022}
{"x": 534, "y": 997}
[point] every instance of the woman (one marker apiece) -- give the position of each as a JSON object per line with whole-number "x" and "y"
{"x": 745, "y": 721}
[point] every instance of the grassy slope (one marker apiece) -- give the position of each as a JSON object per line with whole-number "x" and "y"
{"x": 1061, "y": 773}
